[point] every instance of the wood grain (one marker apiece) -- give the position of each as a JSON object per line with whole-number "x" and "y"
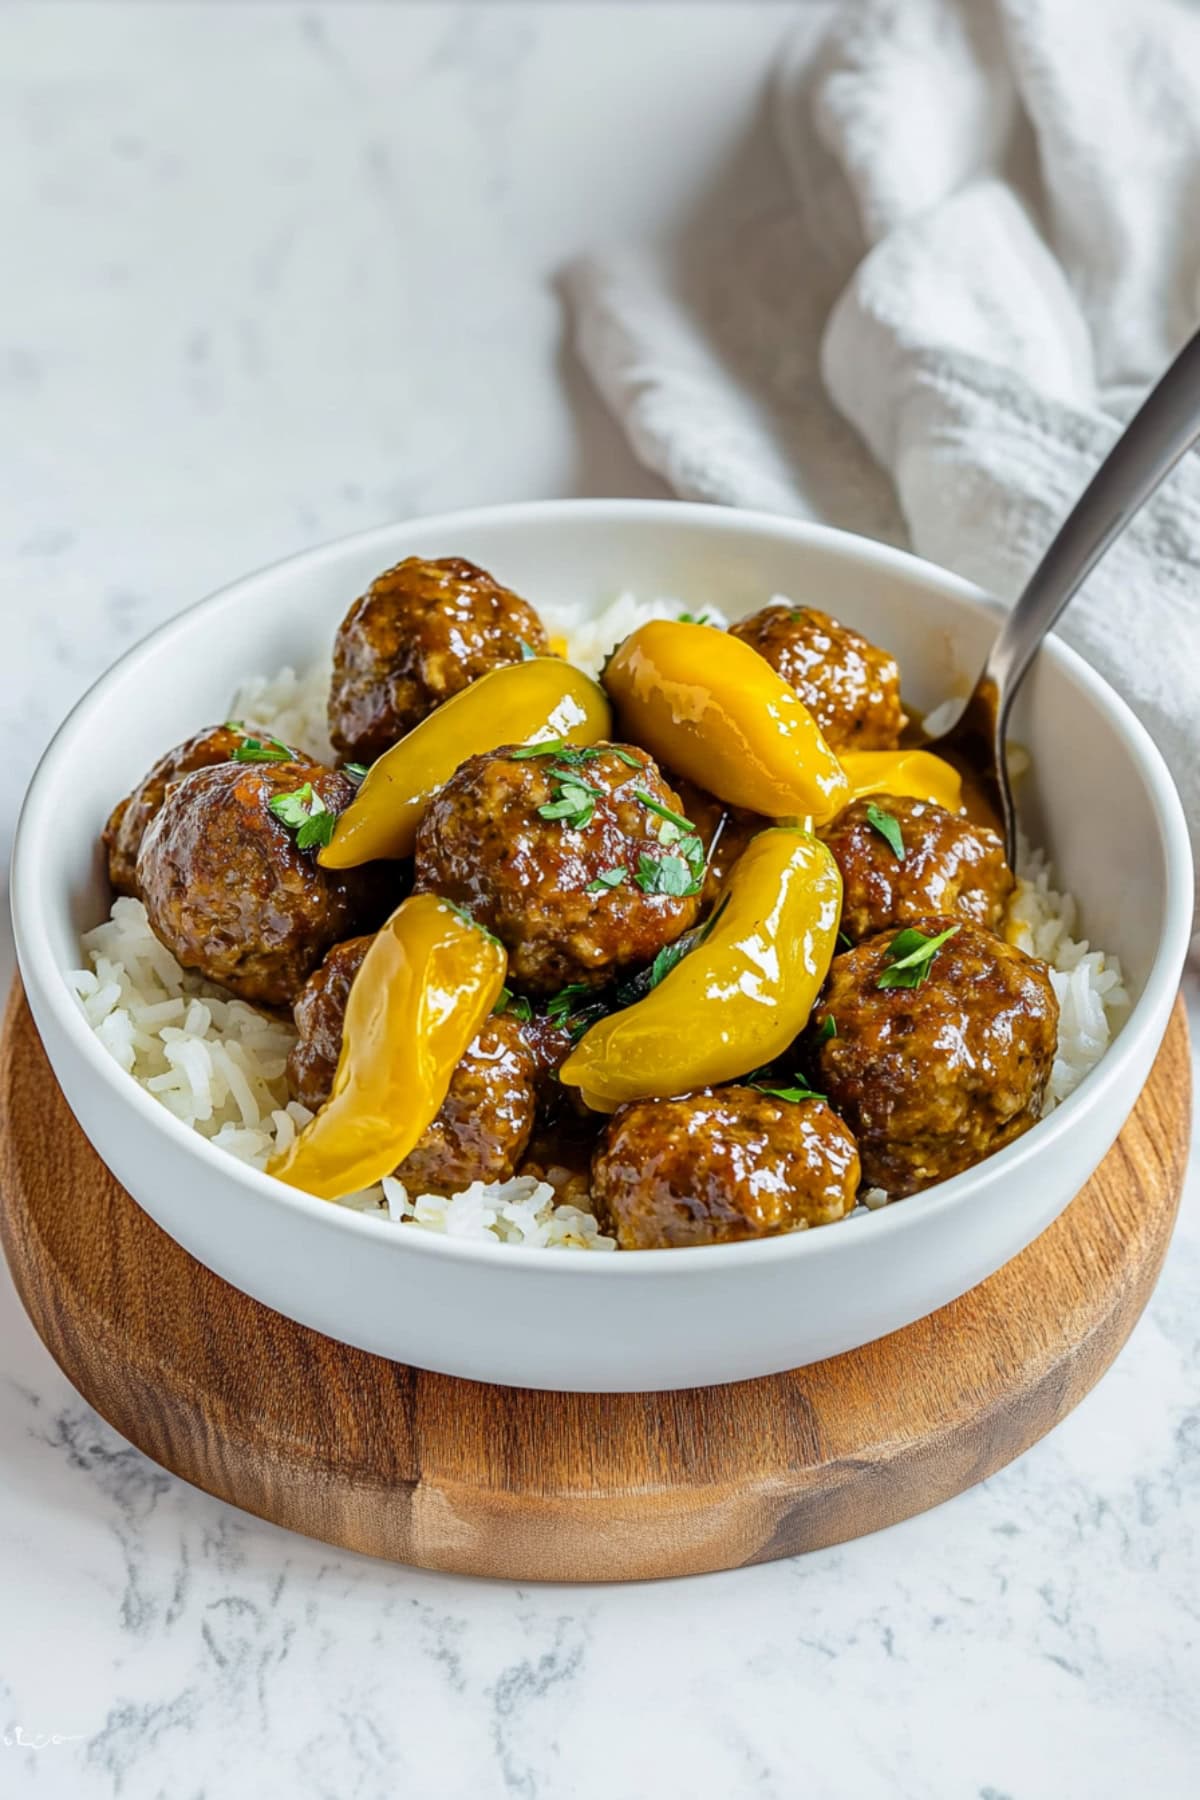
{"x": 451, "y": 1474}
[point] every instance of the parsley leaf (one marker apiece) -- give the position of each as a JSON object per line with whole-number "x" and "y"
{"x": 888, "y": 827}
{"x": 575, "y": 1008}
{"x": 516, "y": 1005}
{"x": 828, "y": 1030}
{"x": 687, "y": 618}
{"x": 910, "y": 955}
{"x": 636, "y": 987}
{"x": 666, "y": 875}
{"x": 547, "y": 747}
{"x": 801, "y": 1091}
{"x": 606, "y": 879}
{"x": 573, "y": 804}
{"x": 260, "y": 750}
{"x": 664, "y": 812}
{"x": 356, "y": 771}
{"x": 844, "y": 943}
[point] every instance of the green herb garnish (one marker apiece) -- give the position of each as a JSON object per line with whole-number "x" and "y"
{"x": 664, "y": 812}
{"x": 547, "y": 747}
{"x": 670, "y": 875}
{"x": 606, "y": 879}
{"x": 260, "y": 750}
{"x": 574, "y": 755}
{"x": 575, "y": 1008}
{"x": 828, "y": 1030}
{"x": 888, "y": 827}
{"x": 465, "y": 918}
{"x": 636, "y": 987}
{"x": 516, "y": 1005}
{"x": 910, "y": 955}
{"x": 356, "y": 771}
{"x": 844, "y": 943}
{"x": 801, "y": 1091}
{"x": 687, "y": 618}
{"x": 574, "y": 800}
{"x": 528, "y": 653}
{"x": 304, "y": 812}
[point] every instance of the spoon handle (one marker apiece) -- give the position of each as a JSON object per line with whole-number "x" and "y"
{"x": 1165, "y": 425}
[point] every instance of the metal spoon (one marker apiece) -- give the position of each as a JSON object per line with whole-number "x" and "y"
{"x": 1166, "y": 424}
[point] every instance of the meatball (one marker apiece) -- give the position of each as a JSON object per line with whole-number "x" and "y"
{"x": 420, "y": 633}
{"x": 319, "y": 1014}
{"x": 483, "y": 1125}
{"x": 723, "y": 1164}
{"x": 599, "y": 885}
{"x": 486, "y": 1119}
{"x": 724, "y": 831}
{"x": 933, "y": 1078}
{"x": 949, "y": 866}
{"x": 851, "y": 687}
{"x": 128, "y": 821}
{"x": 228, "y": 891}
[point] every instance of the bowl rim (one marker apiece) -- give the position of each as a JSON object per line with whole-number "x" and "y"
{"x": 43, "y": 976}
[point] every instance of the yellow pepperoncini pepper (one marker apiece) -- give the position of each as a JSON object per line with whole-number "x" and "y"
{"x": 914, "y": 774}
{"x": 739, "y": 998}
{"x": 425, "y": 986}
{"x": 710, "y": 707}
{"x": 522, "y": 703}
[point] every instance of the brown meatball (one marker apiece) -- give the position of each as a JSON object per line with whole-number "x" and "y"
{"x": 483, "y": 1125}
{"x": 538, "y": 882}
{"x": 420, "y": 633}
{"x": 485, "y": 1121}
{"x": 229, "y": 893}
{"x": 720, "y": 1165}
{"x": 932, "y": 1079}
{"x": 729, "y": 828}
{"x": 319, "y": 1013}
{"x": 851, "y": 687}
{"x": 950, "y": 866}
{"x": 127, "y": 823}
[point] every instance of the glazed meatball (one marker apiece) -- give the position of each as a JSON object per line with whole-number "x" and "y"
{"x": 229, "y": 893}
{"x": 575, "y": 896}
{"x": 420, "y": 633}
{"x": 127, "y": 824}
{"x": 949, "y": 866}
{"x": 724, "y": 831}
{"x": 933, "y": 1078}
{"x": 720, "y": 1165}
{"x": 851, "y": 687}
{"x": 319, "y": 1015}
{"x": 483, "y": 1125}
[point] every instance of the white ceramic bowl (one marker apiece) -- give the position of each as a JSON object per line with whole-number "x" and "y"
{"x": 1100, "y": 799}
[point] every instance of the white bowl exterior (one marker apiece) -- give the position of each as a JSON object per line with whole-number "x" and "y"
{"x": 1100, "y": 799}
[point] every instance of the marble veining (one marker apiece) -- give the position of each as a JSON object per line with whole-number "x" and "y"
{"x": 277, "y": 272}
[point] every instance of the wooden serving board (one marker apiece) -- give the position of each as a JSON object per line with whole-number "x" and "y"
{"x": 452, "y": 1474}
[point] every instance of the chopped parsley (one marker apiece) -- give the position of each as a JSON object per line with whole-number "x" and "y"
{"x": 465, "y": 918}
{"x": 304, "y": 812}
{"x": 606, "y": 880}
{"x": 828, "y": 1030}
{"x": 800, "y": 1091}
{"x": 547, "y": 747}
{"x": 687, "y": 618}
{"x": 574, "y": 799}
{"x": 910, "y": 955}
{"x": 844, "y": 943}
{"x": 575, "y": 1008}
{"x": 516, "y": 1005}
{"x": 574, "y": 755}
{"x": 680, "y": 873}
{"x": 356, "y": 771}
{"x": 888, "y": 827}
{"x": 264, "y": 749}
{"x": 528, "y": 653}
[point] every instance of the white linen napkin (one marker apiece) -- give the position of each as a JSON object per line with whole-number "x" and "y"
{"x": 990, "y": 248}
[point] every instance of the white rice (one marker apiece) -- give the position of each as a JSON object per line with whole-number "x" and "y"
{"x": 220, "y": 1065}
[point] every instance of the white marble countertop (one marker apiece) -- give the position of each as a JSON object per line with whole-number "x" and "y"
{"x": 271, "y": 274}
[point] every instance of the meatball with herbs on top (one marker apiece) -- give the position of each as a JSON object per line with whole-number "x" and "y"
{"x": 128, "y": 821}
{"x": 230, "y": 880}
{"x": 579, "y": 860}
{"x": 722, "y": 1165}
{"x": 903, "y": 859}
{"x": 422, "y": 632}
{"x": 850, "y": 686}
{"x": 935, "y": 1044}
{"x": 483, "y": 1126}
